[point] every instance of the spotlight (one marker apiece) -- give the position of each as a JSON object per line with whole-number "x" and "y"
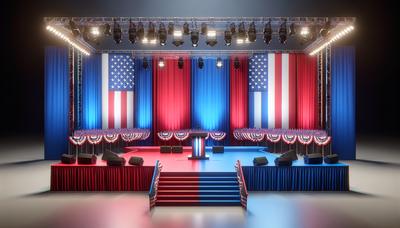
{"x": 170, "y": 28}
{"x": 74, "y": 28}
{"x": 236, "y": 63}
{"x": 177, "y": 38}
{"x": 292, "y": 29}
{"x": 180, "y": 63}
{"x": 186, "y": 30}
{"x": 283, "y": 33}
{"x": 232, "y": 27}
{"x": 151, "y": 33}
{"x": 132, "y": 32}
{"x": 305, "y": 32}
{"x": 117, "y": 32}
{"x": 203, "y": 29}
{"x": 241, "y": 31}
{"x": 162, "y": 34}
{"x": 228, "y": 37}
{"x": 140, "y": 31}
{"x": 95, "y": 31}
{"x": 194, "y": 37}
{"x": 200, "y": 63}
{"x": 219, "y": 62}
{"x": 211, "y": 38}
{"x": 107, "y": 30}
{"x": 145, "y": 63}
{"x": 161, "y": 62}
{"x": 267, "y": 33}
{"x": 86, "y": 33}
{"x": 252, "y": 33}
{"x": 325, "y": 30}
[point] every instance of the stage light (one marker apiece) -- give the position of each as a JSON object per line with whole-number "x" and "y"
{"x": 170, "y": 28}
{"x": 203, "y": 28}
{"x": 95, "y": 31}
{"x": 211, "y": 38}
{"x": 74, "y": 28}
{"x": 162, "y": 34}
{"x": 252, "y": 33}
{"x": 86, "y": 33}
{"x": 292, "y": 29}
{"x": 145, "y": 40}
{"x": 236, "y": 63}
{"x": 67, "y": 39}
{"x": 145, "y": 63}
{"x": 186, "y": 30}
{"x": 200, "y": 63}
{"x": 228, "y": 37}
{"x": 241, "y": 32}
{"x": 177, "y": 38}
{"x": 107, "y": 30}
{"x": 151, "y": 33}
{"x": 180, "y": 63}
{"x": 333, "y": 39}
{"x": 325, "y": 30}
{"x": 267, "y": 33}
{"x": 177, "y": 33}
{"x": 117, "y": 33}
{"x": 161, "y": 62}
{"x": 194, "y": 37}
{"x": 283, "y": 33}
{"x": 132, "y": 32}
{"x": 219, "y": 62}
{"x": 140, "y": 31}
{"x": 232, "y": 28}
{"x": 305, "y": 32}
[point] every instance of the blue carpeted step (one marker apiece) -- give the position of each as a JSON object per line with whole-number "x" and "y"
{"x": 198, "y": 197}
{"x": 200, "y": 178}
{"x": 200, "y": 187}
{"x": 197, "y": 174}
{"x": 201, "y": 183}
{"x": 198, "y": 203}
{"x": 197, "y": 192}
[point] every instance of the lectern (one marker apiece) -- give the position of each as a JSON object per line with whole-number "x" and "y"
{"x": 198, "y": 146}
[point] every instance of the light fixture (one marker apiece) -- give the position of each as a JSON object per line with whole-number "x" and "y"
{"x": 162, "y": 34}
{"x": 132, "y": 32}
{"x": 161, "y": 62}
{"x": 194, "y": 37}
{"x": 185, "y": 28}
{"x": 252, "y": 33}
{"x": 292, "y": 29}
{"x": 180, "y": 63}
{"x": 74, "y": 28}
{"x": 151, "y": 33}
{"x": 241, "y": 32}
{"x": 236, "y": 63}
{"x": 333, "y": 39}
{"x": 326, "y": 28}
{"x": 67, "y": 39}
{"x": 228, "y": 37}
{"x": 305, "y": 31}
{"x": 211, "y": 38}
{"x": 107, "y": 30}
{"x": 145, "y": 63}
{"x": 117, "y": 33}
{"x": 170, "y": 28}
{"x": 140, "y": 31}
{"x": 177, "y": 38}
{"x": 203, "y": 28}
{"x": 219, "y": 62}
{"x": 95, "y": 31}
{"x": 177, "y": 33}
{"x": 282, "y": 33}
{"x": 86, "y": 33}
{"x": 232, "y": 28}
{"x": 267, "y": 33}
{"x": 200, "y": 63}
{"x": 145, "y": 40}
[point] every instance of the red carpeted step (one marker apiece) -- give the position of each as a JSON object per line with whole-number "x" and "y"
{"x": 196, "y": 182}
{"x": 198, "y": 192}
{"x": 192, "y": 178}
{"x": 198, "y": 197}
{"x": 196, "y": 174}
{"x": 200, "y": 187}
{"x": 198, "y": 203}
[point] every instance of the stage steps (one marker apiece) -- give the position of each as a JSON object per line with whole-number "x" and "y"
{"x": 198, "y": 189}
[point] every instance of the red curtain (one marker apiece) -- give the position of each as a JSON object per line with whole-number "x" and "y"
{"x": 238, "y": 94}
{"x": 307, "y": 112}
{"x": 171, "y": 95}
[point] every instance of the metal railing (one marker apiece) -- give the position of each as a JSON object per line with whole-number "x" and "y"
{"x": 154, "y": 184}
{"x": 242, "y": 184}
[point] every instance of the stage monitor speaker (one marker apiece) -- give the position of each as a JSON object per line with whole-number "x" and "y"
{"x": 259, "y": 161}
{"x": 68, "y": 158}
{"x": 177, "y": 149}
{"x": 331, "y": 159}
{"x": 108, "y": 154}
{"x": 218, "y": 149}
{"x": 313, "y": 159}
{"x": 283, "y": 162}
{"x": 87, "y": 159}
{"x": 165, "y": 149}
{"x": 138, "y": 161}
{"x": 291, "y": 154}
{"x": 116, "y": 161}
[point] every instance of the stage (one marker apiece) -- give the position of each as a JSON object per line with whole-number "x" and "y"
{"x": 298, "y": 177}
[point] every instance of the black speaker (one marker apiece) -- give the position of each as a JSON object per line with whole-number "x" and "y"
{"x": 283, "y": 162}
{"x": 291, "y": 154}
{"x": 331, "y": 159}
{"x": 108, "y": 154}
{"x": 87, "y": 159}
{"x": 136, "y": 161}
{"x": 218, "y": 149}
{"x": 68, "y": 158}
{"x": 165, "y": 149}
{"x": 313, "y": 159}
{"x": 116, "y": 161}
{"x": 259, "y": 161}
{"x": 177, "y": 149}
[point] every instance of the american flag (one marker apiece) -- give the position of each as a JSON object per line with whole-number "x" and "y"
{"x": 117, "y": 91}
{"x": 258, "y": 73}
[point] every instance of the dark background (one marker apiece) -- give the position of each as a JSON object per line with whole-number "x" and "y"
{"x": 24, "y": 38}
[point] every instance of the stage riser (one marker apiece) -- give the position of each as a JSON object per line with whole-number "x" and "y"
{"x": 197, "y": 174}
{"x": 196, "y": 197}
{"x": 221, "y": 203}
{"x": 199, "y": 192}
{"x": 197, "y": 178}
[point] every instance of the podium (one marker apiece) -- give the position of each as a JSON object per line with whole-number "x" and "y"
{"x": 198, "y": 146}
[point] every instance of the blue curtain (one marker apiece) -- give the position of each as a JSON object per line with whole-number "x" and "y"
{"x": 91, "y": 92}
{"x": 210, "y": 96}
{"x": 343, "y": 102}
{"x": 144, "y": 96}
{"x": 56, "y": 102}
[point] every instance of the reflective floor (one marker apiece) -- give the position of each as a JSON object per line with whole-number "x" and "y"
{"x": 373, "y": 202}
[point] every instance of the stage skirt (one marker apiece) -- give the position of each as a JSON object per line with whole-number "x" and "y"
{"x": 297, "y": 178}
{"x": 100, "y": 178}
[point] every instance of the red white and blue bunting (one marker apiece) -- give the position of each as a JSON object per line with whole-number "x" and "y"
{"x": 95, "y": 136}
{"x": 289, "y": 139}
{"x": 165, "y": 135}
{"x": 185, "y": 134}
{"x": 94, "y": 139}
{"x": 322, "y": 140}
{"x": 181, "y": 135}
{"x": 111, "y": 138}
{"x": 305, "y": 139}
{"x": 77, "y": 140}
{"x": 217, "y": 136}
{"x": 273, "y": 138}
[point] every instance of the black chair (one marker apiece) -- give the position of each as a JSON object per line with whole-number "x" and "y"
{"x": 283, "y": 161}
{"x": 260, "y": 161}
{"x": 116, "y": 161}
{"x": 138, "y": 161}
{"x": 313, "y": 159}
{"x": 87, "y": 159}
{"x": 108, "y": 154}
{"x": 68, "y": 158}
{"x": 290, "y": 155}
{"x": 331, "y": 159}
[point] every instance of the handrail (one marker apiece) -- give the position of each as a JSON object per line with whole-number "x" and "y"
{"x": 242, "y": 184}
{"x": 154, "y": 184}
